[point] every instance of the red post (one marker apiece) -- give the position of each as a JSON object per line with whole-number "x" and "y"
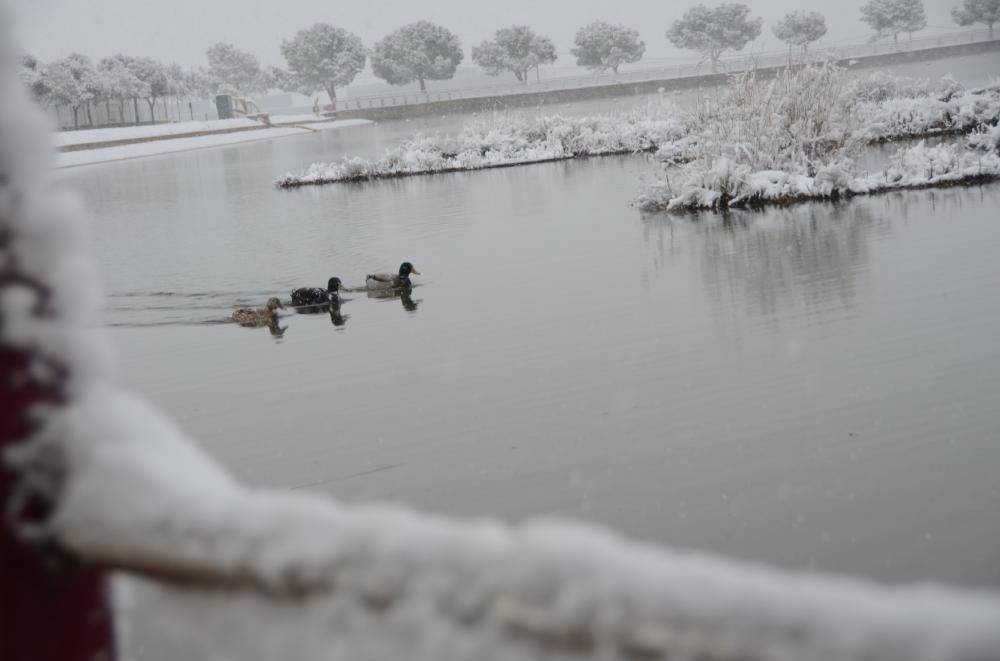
{"x": 51, "y": 607}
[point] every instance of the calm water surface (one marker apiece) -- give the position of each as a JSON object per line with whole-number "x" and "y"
{"x": 813, "y": 387}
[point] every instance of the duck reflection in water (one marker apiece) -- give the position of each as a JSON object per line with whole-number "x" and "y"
{"x": 405, "y": 295}
{"x": 336, "y": 317}
{"x": 276, "y": 330}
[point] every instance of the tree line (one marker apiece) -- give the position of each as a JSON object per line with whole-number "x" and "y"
{"x": 324, "y": 57}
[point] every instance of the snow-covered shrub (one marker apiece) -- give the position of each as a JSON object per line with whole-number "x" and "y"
{"x": 987, "y": 139}
{"x": 794, "y": 121}
{"x": 725, "y": 184}
{"x": 502, "y": 140}
{"x": 905, "y": 117}
{"x": 796, "y": 136}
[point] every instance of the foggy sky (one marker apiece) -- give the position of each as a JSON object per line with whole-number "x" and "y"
{"x": 181, "y": 30}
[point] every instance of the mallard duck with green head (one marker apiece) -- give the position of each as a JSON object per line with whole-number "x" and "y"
{"x": 392, "y": 281}
{"x": 259, "y": 316}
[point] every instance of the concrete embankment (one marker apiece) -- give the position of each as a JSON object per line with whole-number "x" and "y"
{"x": 544, "y": 97}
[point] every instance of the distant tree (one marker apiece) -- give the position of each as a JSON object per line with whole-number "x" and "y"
{"x": 73, "y": 81}
{"x": 890, "y": 17}
{"x": 712, "y": 31}
{"x": 33, "y": 73}
{"x": 178, "y": 81}
{"x": 517, "y": 49}
{"x": 800, "y": 28}
{"x": 281, "y": 79}
{"x": 977, "y": 11}
{"x": 234, "y": 70}
{"x": 420, "y": 51}
{"x": 120, "y": 82}
{"x": 601, "y": 46}
{"x": 155, "y": 76}
{"x": 201, "y": 83}
{"x": 324, "y": 57}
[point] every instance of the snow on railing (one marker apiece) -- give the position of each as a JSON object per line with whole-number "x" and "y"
{"x": 730, "y": 64}
{"x": 306, "y": 577}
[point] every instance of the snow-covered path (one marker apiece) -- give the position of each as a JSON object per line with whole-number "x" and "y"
{"x": 169, "y": 146}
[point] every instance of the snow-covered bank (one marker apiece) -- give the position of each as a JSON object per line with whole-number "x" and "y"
{"x": 121, "y": 133}
{"x": 958, "y": 111}
{"x": 127, "y": 133}
{"x": 727, "y": 184}
{"x": 791, "y": 122}
{"x": 506, "y": 141}
{"x": 169, "y": 146}
{"x": 796, "y": 138}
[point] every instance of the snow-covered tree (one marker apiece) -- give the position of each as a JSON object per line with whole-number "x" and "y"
{"x": 890, "y": 17}
{"x": 120, "y": 82}
{"x": 324, "y": 57}
{"x": 712, "y": 31}
{"x": 601, "y": 46}
{"x": 73, "y": 81}
{"x": 234, "y": 69}
{"x": 517, "y": 49}
{"x": 800, "y": 28}
{"x": 33, "y": 74}
{"x": 201, "y": 84}
{"x": 153, "y": 74}
{"x": 986, "y": 12}
{"x": 419, "y": 51}
{"x": 281, "y": 79}
{"x": 178, "y": 81}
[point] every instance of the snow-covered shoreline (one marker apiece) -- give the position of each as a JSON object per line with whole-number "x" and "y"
{"x": 172, "y": 145}
{"x": 727, "y": 184}
{"x": 796, "y": 138}
{"x": 504, "y": 142}
{"x": 118, "y": 134}
{"x": 825, "y": 112}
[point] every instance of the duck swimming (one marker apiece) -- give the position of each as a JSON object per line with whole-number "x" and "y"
{"x": 259, "y": 316}
{"x": 316, "y": 297}
{"x": 390, "y": 281}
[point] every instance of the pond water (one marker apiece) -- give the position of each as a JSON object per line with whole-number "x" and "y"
{"x": 811, "y": 387}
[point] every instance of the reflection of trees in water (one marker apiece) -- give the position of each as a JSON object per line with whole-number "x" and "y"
{"x": 779, "y": 260}
{"x": 807, "y": 256}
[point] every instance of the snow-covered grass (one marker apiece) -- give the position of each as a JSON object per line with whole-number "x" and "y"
{"x": 796, "y": 137}
{"x": 505, "y": 140}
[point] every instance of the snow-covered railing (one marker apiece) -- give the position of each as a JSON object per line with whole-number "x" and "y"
{"x": 734, "y": 63}
{"x": 96, "y": 478}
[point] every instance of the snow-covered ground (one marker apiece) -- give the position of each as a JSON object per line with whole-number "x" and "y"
{"x": 116, "y": 134}
{"x": 158, "y": 147}
{"x": 96, "y": 136}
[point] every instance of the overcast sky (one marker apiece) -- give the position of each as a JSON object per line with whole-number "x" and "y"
{"x": 181, "y": 30}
